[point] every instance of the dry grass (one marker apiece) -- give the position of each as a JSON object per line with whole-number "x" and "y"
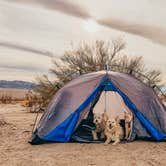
{"x": 13, "y": 94}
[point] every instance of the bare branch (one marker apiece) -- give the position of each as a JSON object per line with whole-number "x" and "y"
{"x": 89, "y": 58}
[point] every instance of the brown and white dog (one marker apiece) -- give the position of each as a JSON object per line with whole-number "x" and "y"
{"x": 113, "y": 131}
{"x": 100, "y": 122}
{"x": 128, "y": 123}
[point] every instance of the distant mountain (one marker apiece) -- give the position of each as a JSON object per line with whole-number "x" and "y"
{"x": 16, "y": 84}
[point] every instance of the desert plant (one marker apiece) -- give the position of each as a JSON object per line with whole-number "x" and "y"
{"x": 33, "y": 102}
{"x": 6, "y": 99}
{"x": 89, "y": 58}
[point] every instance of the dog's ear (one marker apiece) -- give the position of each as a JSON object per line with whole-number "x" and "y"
{"x": 130, "y": 112}
{"x": 102, "y": 115}
{"x": 117, "y": 119}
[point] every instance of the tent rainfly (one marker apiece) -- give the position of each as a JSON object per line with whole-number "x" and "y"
{"x": 69, "y": 115}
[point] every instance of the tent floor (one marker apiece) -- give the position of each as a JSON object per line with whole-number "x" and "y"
{"x": 83, "y": 133}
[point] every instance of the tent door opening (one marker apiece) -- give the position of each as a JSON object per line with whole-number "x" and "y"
{"x": 108, "y": 101}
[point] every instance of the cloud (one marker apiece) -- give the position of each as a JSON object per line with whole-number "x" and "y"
{"x": 23, "y": 67}
{"x": 63, "y": 6}
{"x": 154, "y": 33}
{"x": 25, "y": 48}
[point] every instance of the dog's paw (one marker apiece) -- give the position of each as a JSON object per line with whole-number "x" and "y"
{"x": 128, "y": 139}
{"x": 94, "y": 134}
{"x": 115, "y": 143}
{"x": 95, "y": 139}
{"x": 106, "y": 142}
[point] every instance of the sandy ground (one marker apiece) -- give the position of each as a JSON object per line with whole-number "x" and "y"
{"x": 16, "y": 151}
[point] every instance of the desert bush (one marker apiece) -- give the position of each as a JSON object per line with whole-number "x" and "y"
{"x": 33, "y": 102}
{"x": 90, "y": 58}
{"x": 5, "y": 99}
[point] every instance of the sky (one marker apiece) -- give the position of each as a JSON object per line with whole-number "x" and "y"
{"x": 33, "y": 31}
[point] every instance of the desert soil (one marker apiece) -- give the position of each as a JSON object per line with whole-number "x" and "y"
{"x": 16, "y": 151}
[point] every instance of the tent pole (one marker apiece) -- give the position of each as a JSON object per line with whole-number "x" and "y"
{"x": 35, "y": 121}
{"x": 106, "y": 68}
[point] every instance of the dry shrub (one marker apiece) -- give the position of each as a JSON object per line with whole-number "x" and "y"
{"x": 163, "y": 98}
{"x": 90, "y": 58}
{"x": 6, "y": 99}
{"x": 33, "y": 102}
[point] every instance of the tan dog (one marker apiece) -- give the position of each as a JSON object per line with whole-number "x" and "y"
{"x": 100, "y": 121}
{"x": 113, "y": 131}
{"x": 128, "y": 123}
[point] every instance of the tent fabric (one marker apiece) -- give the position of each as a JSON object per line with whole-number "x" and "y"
{"x": 145, "y": 100}
{"x": 112, "y": 103}
{"x": 63, "y": 131}
{"x": 64, "y": 103}
{"x": 71, "y": 104}
{"x": 155, "y": 133}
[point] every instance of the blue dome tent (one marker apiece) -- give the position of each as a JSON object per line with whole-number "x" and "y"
{"x": 68, "y": 116}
